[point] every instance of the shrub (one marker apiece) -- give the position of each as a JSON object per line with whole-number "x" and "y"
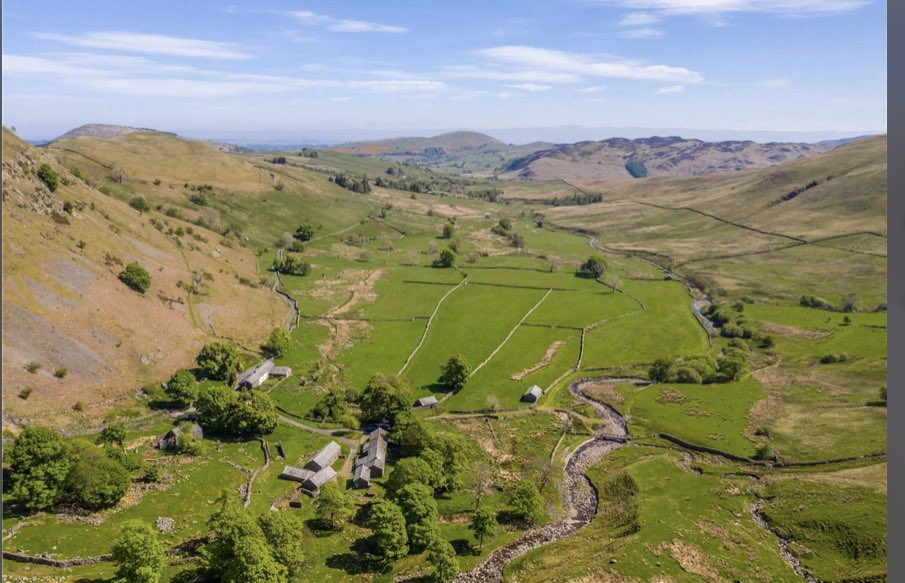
{"x": 136, "y": 277}
{"x": 49, "y": 177}
{"x": 33, "y": 367}
{"x": 182, "y": 388}
{"x": 95, "y": 481}
{"x": 593, "y": 267}
{"x": 78, "y": 407}
{"x": 447, "y": 259}
{"x": 636, "y": 169}
{"x": 139, "y": 204}
{"x": 61, "y": 372}
{"x": 832, "y": 358}
{"x": 25, "y": 393}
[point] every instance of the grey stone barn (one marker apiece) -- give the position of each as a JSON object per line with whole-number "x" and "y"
{"x": 170, "y": 439}
{"x": 533, "y": 393}
{"x": 372, "y": 462}
{"x": 313, "y": 483}
{"x": 427, "y": 402}
{"x": 325, "y": 457}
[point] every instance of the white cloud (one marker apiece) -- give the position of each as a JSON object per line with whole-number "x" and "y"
{"x": 530, "y": 87}
{"x": 496, "y": 74}
{"x": 642, "y": 33}
{"x": 588, "y": 65}
{"x": 592, "y": 89}
{"x": 640, "y": 19}
{"x": 343, "y": 25}
{"x": 670, "y": 89}
{"x": 786, "y": 7}
{"x": 111, "y": 75}
{"x": 154, "y": 44}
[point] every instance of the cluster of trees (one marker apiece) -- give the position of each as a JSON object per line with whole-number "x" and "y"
{"x": 731, "y": 364}
{"x": 245, "y": 550}
{"x": 796, "y": 191}
{"x": 504, "y": 229}
{"x": 360, "y": 185}
{"x": 223, "y": 410}
{"x": 136, "y": 277}
{"x": 577, "y": 199}
{"x": 416, "y": 186}
{"x": 45, "y": 471}
{"x": 305, "y": 232}
{"x": 636, "y": 168}
{"x": 277, "y": 160}
{"x": 218, "y": 361}
{"x": 593, "y": 268}
{"x": 488, "y": 194}
{"x": 291, "y": 265}
{"x": 732, "y": 324}
{"x": 309, "y": 153}
{"x": 446, "y": 259}
{"x": 848, "y": 303}
{"x": 277, "y": 344}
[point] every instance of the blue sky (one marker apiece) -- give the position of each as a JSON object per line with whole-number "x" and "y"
{"x": 298, "y": 68}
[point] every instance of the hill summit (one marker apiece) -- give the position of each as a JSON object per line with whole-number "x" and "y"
{"x": 101, "y": 130}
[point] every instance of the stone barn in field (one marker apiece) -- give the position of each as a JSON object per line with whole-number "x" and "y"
{"x": 318, "y": 479}
{"x": 325, "y": 457}
{"x": 427, "y": 402}
{"x": 255, "y": 376}
{"x": 170, "y": 439}
{"x": 533, "y": 393}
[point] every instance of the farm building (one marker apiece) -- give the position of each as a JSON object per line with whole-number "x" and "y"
{"x": 170, "y": 439}
{"x": 427, "y": 402}
{"x": 533, "y": 393}
{"x": 315, "y": 481}
{"x": 362, "y": 477}
{"x": 280, "y": 372}
{"x": 295, "y": 474}
{"x": 325, "y": 457}
{"x": 255, "y": 376}
{"x": 372, "y": 462}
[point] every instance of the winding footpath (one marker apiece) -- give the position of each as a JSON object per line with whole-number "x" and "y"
{"x": 579, "y": 499}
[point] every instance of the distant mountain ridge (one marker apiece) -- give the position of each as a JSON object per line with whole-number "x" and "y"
{"x": 432, "y": 147}
{"x": 100, "y": 130}
{"x": 623, "y": 158}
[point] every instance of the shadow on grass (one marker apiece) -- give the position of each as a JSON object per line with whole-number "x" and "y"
{"x": 358, "y": 561}
{"x": 463, "y": 547}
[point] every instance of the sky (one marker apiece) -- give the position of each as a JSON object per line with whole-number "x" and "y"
{"x": 293, "y": 69}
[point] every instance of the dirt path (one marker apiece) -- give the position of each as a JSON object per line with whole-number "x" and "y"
{"x": 579, "y": 498}
{"x": 544, "y": 362}
{"x": 327, "y": 432}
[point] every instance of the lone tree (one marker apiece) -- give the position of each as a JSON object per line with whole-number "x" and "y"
{"x": 305, "y": 232}
{"x": 95, "y": 481}
{"x": 140, "y": 204}
{"x": 182, "y": 388}
{"x": 333, "y": 506}
{"x": 114, "y": 434}
{"x": 390, "y": 537}
{"x": 278, "y": 343}
{"x": 483, "y": 524}
{"x": 447, "y": 259}
{"x": 448, "y": 231}
{"x": 136, "y": 277}
{"x": 454, "y": 373}
{"x": 593, "y": 267}
{"x": 38, "y": 466}
{"x": 525, "y": 502}
{"x": 421, "y": 515}
{"x": 281, "y": 530}
{"x": 442, "y": 557}
{"x": 137, "y": 554}
{"x": 218, "y": 361}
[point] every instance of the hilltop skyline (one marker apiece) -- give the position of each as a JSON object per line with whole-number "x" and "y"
{"x": 796, "y": 66}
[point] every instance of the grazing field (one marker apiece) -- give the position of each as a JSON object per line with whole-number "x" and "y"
{"x": 660, "y": 522}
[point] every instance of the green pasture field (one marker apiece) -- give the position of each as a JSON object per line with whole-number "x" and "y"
{"x": 837, "y": 529}
{"x": 678, "y": 525}
{"x": 713, "y": 415}
{"x": 665, "y": 327}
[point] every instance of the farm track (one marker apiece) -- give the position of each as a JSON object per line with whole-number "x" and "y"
{"x": 579, "y": 497}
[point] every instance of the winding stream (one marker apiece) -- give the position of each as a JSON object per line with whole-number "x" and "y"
{"x": 579, "y": 498}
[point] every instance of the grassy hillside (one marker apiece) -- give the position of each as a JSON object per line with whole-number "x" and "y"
{"x": 65, "y": 307}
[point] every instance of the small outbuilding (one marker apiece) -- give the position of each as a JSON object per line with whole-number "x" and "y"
{"x": 533, "y": 393}
{"x": 296, "y": 474}
{"x": 318, "y": 479}
{"x": 280, "y": 372}
{"x": 427, "y": 402}
{"x": 325, "y": 457}
{"x": 170, "y": 439}
{"x": 362, "y": 477}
